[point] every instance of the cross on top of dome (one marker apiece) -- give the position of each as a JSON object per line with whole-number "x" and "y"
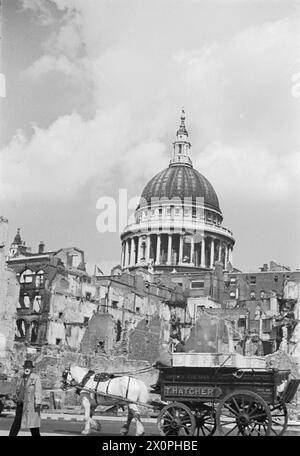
{"x": 182, "y": 130}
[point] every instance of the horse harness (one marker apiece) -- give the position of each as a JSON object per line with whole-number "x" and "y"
{"x": 100, "y": 377}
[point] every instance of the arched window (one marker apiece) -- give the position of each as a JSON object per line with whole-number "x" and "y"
{"x": 27, "y": 276}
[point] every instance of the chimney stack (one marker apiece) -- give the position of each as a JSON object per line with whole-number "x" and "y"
{"x": 41, "y": 247}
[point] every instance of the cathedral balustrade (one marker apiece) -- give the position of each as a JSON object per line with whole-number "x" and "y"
{"x": 188, "y": 224}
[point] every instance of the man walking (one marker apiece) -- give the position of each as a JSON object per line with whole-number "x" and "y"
{"x": 29, "y": 401}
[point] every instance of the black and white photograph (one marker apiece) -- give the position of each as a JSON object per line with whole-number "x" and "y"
{"x": 149, "y": 222}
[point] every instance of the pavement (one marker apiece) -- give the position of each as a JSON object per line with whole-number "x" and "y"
{"x": 71, "y": 424}
{"x": 69, "y": 416}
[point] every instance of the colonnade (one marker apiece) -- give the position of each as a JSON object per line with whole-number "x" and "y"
{"x": 173, "y": 249}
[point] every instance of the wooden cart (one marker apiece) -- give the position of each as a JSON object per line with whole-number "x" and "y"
{"x": 224, "y": 401}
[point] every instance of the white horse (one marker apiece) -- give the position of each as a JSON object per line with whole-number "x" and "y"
{"x": 125, "y": 387}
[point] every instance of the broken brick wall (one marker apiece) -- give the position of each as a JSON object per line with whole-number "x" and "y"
{"x": 72, "y": 304}
{"x": 9, "y": 294}
{"x": 100, "y": 336}
{"x": 215, "y": 331}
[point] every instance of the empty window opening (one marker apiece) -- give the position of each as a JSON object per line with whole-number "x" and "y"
{"x": 197, "y": 284}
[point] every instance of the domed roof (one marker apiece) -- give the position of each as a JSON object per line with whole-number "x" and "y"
{"x": 180, "y": 181}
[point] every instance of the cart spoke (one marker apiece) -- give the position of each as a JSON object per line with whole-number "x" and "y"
{"x": 254, "y": 410}
{"x": 226, "y": 423}
{"x": 168, "y": 412}
{"x": 205, "y": 431}
{"x": 231, "y": 430}
{"x": 167, "y": 425}
{"x": 235, "y": 412}
{"x": 258, "y": 415}
{"x": 166, "y": 418}
{"x": 209, "y": 430}
{"x": 186, "y": 420}
{"x": 273, "y": 430}
{"x": 257, "y": 430}
{"x": 237, "y": 405}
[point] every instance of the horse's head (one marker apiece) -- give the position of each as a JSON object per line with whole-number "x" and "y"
{"x": 68, "y": 380}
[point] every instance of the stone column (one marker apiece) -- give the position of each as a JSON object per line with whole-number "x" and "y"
{"x": 169, "y": 259}
{"x": 148, "y": 248}
{"x": 180, "y": 248}
{"x": 158, "y": 249}
{"x": 212, "y": 252}
{"x": 122, "y": 256}
{"x": 203, "y": 252}
{"x": 192, "y": 250}
{"x": 230, "y": 254}
{"x": 126, "y": 254}
{"x": 139, "y": 249}
{"x": 132, "y": 252}
{"x": 219, "y": 251}
{"x": 226, "y": 255}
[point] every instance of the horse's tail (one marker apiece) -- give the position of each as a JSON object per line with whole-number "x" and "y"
{"x": 143, "y": 394}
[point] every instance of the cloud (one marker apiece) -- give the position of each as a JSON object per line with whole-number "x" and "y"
{"x": 41, "y": 10}
{"x": 47, "y": 63}
{"x": 251, "y": 173}
{"x": 58, "y": 162}
{"x": 236, "y": 93}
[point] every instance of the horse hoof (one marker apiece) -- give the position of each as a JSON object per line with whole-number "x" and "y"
{"x": 123, "y": 431}
{"x": 84, "y": 432}
{"x": 139, "y": 435}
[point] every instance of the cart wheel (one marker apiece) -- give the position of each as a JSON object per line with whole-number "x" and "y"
{"x": 205, "y": 421}
{"x": 243, "y": 413}
{"x": 176, "y": 419}
{"x": 279, "y": 415}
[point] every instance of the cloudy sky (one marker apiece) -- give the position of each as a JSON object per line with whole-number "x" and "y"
{"x": 93, "y": 100}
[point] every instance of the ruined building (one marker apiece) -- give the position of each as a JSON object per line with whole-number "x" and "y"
{"x": 57, "y": 297}
{"x": 9, "y": 294}
{"x": 261, "y": 296}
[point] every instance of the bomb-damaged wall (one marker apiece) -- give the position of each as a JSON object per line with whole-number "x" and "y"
{"x": 9, "y": 294}
{"x": 141, "y": 322}
{"x": 146, "y": 312}
{"x": 72, "y": 304}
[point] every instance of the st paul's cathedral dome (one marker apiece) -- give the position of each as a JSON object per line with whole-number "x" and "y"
{"x": 178, "y": 222}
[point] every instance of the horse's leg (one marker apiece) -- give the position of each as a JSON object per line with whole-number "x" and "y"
{"x": 125, "y": 428}
{"x": 87, "y": 406}
{"x": 140, "y": 430}
{"x": 94, "y": 424}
